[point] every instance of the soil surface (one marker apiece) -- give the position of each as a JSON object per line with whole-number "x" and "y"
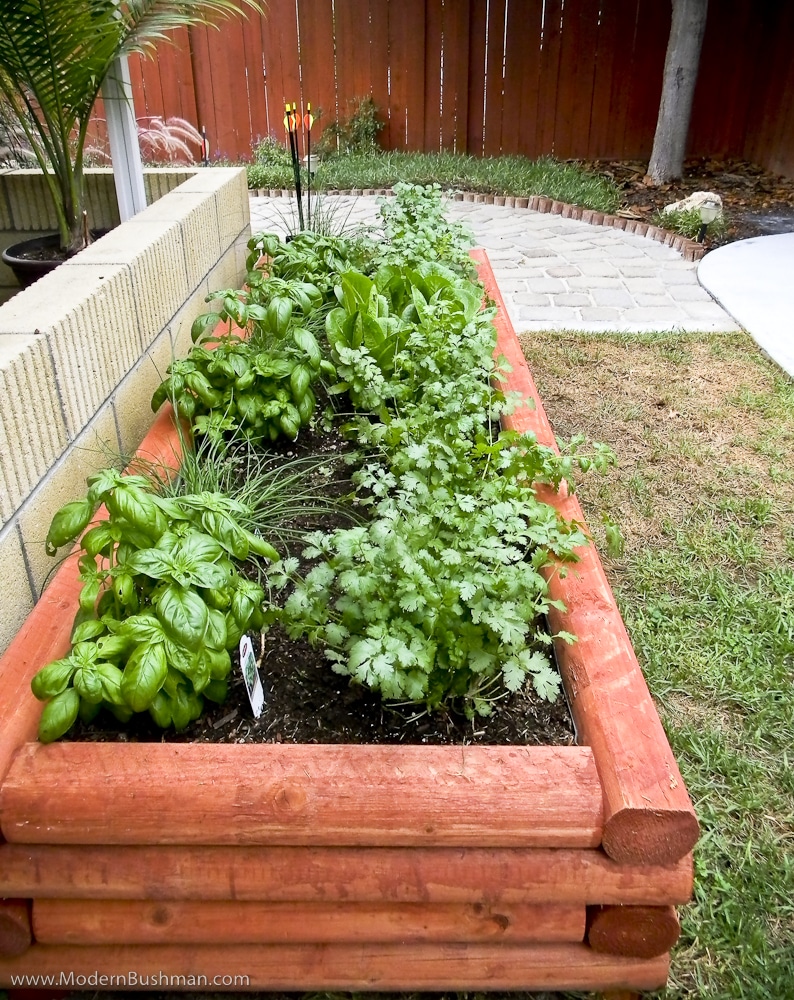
{"x": 755, "y": 203}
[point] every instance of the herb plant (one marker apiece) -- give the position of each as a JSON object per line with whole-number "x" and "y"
{"x": 162, "y": 604}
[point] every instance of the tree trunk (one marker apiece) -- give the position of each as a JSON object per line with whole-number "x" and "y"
{"x": 678, "y": 89}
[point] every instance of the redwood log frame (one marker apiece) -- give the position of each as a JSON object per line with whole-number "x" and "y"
{"x": 528, "y": 838}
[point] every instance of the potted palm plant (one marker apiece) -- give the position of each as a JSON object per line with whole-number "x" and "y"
{"x": 54, "y": 57}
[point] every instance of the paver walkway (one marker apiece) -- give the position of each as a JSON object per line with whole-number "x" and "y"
{"x": 556, "y": 273}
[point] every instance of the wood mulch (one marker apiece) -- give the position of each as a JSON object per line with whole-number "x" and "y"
{"x": 755, "y": 202}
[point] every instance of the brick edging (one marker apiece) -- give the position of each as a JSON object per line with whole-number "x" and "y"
{"x": 689, "y": 249}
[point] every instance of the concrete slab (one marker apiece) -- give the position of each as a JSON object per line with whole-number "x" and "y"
{"x": 752, "y": 280}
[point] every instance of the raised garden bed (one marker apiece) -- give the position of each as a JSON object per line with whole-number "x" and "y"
{"x": 302, "y": 867}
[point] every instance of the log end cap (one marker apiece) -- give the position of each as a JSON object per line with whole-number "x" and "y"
{"x": 632, "y": 931}
{"x": 650, "y": 836}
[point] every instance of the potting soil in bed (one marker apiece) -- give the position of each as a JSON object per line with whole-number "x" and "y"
{"x": 306, "y": 702}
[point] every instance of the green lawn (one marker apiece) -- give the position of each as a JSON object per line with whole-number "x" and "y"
{"x": 704, "y": 496}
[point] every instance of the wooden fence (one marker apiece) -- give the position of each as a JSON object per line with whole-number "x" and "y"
{"x": 573, "y": 78}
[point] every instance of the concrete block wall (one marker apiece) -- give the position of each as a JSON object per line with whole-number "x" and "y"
{"x": 26, "y": 207}
{"x": 82, "y": 350}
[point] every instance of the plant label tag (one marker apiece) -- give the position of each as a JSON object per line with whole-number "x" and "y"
{"x": 253, "y": 685}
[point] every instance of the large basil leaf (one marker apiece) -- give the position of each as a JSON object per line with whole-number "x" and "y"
{"x": 153, "y": 562}
{"x": 145, "y": 627}
{"x": 53, "y": 679}
{"x": 138, "y": 508}
{"x": 59, "y": 715}
{"x": 183, "y": 614}
{"x": 110, "y": 678}
{"x": 68, "y": 523}
{"x": 88, "y": 685}
{"x": 143, "y": 676}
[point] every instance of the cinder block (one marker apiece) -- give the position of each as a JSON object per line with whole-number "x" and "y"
{"x": 18, "y": 599}
{"x": 132, "y": 399}
{"x": 33, "y": 431}
{"x": 229, "y": 186}
{"x": 101, "y": 200}
{"x": 154, "y": 254}
{"x": 96, "y": 448}
{"x": 6, "y": 219}
{"x": 87, "y": 314}
{"x": 229, "y": 272}
{"x": 29, "y": 202}
{"x": 159, "y": 181}
{"x": 197, "y": 214}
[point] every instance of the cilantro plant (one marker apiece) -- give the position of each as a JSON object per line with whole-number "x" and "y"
{"x": 417, "y": 230}
{"x": 440, "y": 596}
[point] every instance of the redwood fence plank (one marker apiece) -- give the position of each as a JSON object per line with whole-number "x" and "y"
{"x": 648, "y": 813}
{"x": 548, "y": 79}
{"x": 89, "y": 922}
{"x": 579, "y": 42}
{"x": 352, "y": 52}
{"x": 370, "y": 874}
{"x": 256, "y": 124}
{"x": 608, "y": 61}
{"x": 407, "y": 55}
{"x": 434, "y": 31}
{"x": 282, "y": 70}
{"x": 380, "y": 12}
{"x": 523, "y": 62}
{"x": 455, "y": 85}
{"x": 494, "y": 85}
{"x": 346, "y": 967}
{"x": 476, "y": 119}
{"x": 318, "y": 81}
{"x": 329, "y": 795}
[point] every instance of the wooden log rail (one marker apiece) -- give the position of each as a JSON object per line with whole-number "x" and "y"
{"x": 493, "y": 966}
{"x": 648, "y": 813}
{"x": 328, "y": 795}
{"x": 326, "y": 874}
{"x": 91, "y": 922}
{"x": 514, "y": 868}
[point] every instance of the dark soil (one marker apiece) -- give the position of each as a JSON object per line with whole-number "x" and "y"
{"x": 755, "y": 203}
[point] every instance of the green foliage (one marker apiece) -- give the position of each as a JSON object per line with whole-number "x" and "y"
{"x": 260, "y": 388}
{"x": 504, "y": 175}
{"x": 418, "y": 231}
{"x": 54, "y": 58}
{"x": 161, "y": 604}
{"x": 356, "y": 133}
{"x": 440, "y": 596}
{"x": 437, "y": 598}
{"x": 688, "y": 223}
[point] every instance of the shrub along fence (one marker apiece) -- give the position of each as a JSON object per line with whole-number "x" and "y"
{"x": 573, "y": 78}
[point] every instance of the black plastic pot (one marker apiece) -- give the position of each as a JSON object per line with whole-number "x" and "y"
{"x": 22, "y": 260}
{"x": 28, "y": 267}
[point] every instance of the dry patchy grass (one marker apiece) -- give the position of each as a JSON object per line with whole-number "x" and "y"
{"x": 690, "y": 419}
